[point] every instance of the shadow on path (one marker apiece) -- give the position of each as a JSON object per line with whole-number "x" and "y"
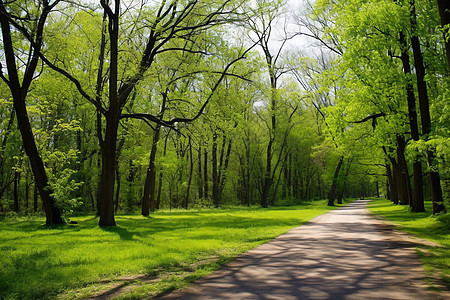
{"x": 344, "y": 254}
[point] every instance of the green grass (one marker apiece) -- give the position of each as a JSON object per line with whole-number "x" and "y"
{"x": 167, "y": 250}
{"x": 426, "y": 226}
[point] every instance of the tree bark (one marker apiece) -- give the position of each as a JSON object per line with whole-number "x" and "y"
{"x": 16, "y": 191}
{"x": 395, "y": 181}
{"x": 444, "y": 12}
{"x": 205, "y": 174}
{"x": 191, "y": 172}
{"x": 404, "y": 192}
{"x": 107, "y": 179}
{"x": 119, "y": 150}
{"x": 7, "y": 132}
{"x": 109, "y": 142}
{"x": 35, "y": 198}
{"x": 19, "y": 93}
{"x": 438, "y": 201}
{"x": 267, "y": 176}
{"x": 148, "y": 199}
{"x": 200, "y": 177}
{"x": 214, "y": 172}
{"x": 332, "y": 193}
{"x": 417, "y": 204}
{"x": 224, "y": 166}
{"x": 389, "y": 182}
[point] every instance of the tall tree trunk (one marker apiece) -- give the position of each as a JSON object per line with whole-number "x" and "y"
{"x": 16, "y": 191}
{"x": 332, "y": 193}
{"x": 35, "y": 198}
{"x": 200, "y": 177}
{"x": 224, "y": 166}
{"x": 6, "y": 133}
{"x": 27, "y": 194}
{"x": 214, "y": 172}
{"x": 191, "y": 173}
{"x": 389, "y": 182}
{"x": 148, "y": 199}
{"x": 96, "y": 204}
{"x": 119, "y": 150}
{"x": 116, "y": 205}
{"x": 417, "y": 204}
{"x": 404, "y": 192}
{"x": 395, "y": 182}
{"x": 109, "y": 143}
{"x": 444, "y": 12}
{"x": 19, "y": 93}
{"x": 343, "y": 184}
{"x": 436, "y": 190}
{"x": 158, "y": 198}
{"x": 267, "y": 179}
{"x": 107, "y": 179}
{"x": 205, "y": 174}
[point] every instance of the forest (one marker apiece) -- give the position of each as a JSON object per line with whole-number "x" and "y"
{"x": 135, "y": 106}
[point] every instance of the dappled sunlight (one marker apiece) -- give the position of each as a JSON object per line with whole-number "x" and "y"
{"x": 341, "y": 255}
{"x": 185, "y": 242}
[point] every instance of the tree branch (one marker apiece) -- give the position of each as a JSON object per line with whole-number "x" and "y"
{"x": 371, "y": 117}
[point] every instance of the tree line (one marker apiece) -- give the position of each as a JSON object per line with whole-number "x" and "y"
{"x": 137, "y": 106}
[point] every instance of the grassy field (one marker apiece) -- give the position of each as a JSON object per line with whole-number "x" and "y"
{"x": 426, "y": 226}
{"x": 141, "y": 256}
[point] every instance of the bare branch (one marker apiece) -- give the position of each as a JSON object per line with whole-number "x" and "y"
{"x": 74, "y": 81}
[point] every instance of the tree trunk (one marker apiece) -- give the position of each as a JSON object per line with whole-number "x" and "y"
{"x": 27, "y": 194}
{"x": 394, "y": 183}
{"x": 343, "y": 183}
{"x": 205, "y": 174}
{"x": 116, "y": 208}
{"x": 200, "y": 177}
{"x": 119, "y": 150}
{"x": 438, "y": 201}
{"x": 19, "y": 93}
{"x": 332, "y": 193}
{"x": 388, "y": 191}
{"x": 16, "y": 191}
{"x": 267, "y": 179}
{"x": 223, "y": 166}
{"x": 417, "y": 204}
{"x": 3, "y": 181}
{"x": 109, "y": 143}
{"x": 444, "y": 12}
{"x": 35, "y": 198}
{"x": 107, "y": 179}
{"x": 388, "y": 182}
{"x": 191, "y": 172}
{"x": 158, "y": 197}
{"x": 148, "y": 199}
{"x": 53, "y": 213}
{"x": 403, "y": 177}
{"x": 215, "y": 177}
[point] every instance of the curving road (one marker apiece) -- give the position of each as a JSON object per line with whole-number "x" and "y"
{"x": 344, "y": 254}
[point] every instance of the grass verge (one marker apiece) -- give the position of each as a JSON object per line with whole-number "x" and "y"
{"x": 142, "y": 256}
{"x": 426, "y": 226}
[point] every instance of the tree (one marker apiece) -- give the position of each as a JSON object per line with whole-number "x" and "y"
{"x": 262, "y": 23}
{"x": 33, "y": 24}
{"x": 171, "y": 21}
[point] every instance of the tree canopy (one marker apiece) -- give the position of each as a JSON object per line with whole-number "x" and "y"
{"x": 131, "y": 106}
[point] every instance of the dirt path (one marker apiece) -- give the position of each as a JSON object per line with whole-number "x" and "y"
{"x": 344, "y": 254}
